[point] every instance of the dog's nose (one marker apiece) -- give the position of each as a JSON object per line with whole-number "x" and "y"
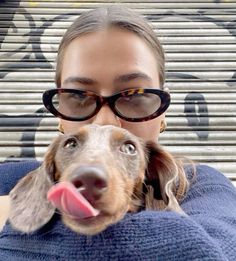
{"x": 91, "y": 182}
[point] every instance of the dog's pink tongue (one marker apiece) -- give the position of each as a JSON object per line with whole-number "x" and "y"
{"x": 68, "y": 199}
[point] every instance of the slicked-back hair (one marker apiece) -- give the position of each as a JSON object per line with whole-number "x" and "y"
{"x": 112, "y": 16}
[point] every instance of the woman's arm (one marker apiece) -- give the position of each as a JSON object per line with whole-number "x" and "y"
{"x": 4, "y": 209}
{"x": 211, "y": 204}
{"x": 10, "y": 173}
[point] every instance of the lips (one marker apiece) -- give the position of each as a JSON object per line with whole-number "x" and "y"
{"x": 67, "y": 198}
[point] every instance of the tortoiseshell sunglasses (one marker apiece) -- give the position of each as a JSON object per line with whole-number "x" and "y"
{"x": 134, "y": 105}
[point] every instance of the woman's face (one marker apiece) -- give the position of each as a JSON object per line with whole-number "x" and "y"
{"x": 107, "y": 62}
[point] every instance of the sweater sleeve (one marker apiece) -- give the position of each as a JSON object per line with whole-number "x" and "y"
{"x": 211, "y": 204}
{"x": 207, "y": 232}
{"x": 11, "y": 172}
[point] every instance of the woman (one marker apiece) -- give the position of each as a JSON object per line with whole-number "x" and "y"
{"x": 107, "y": 51}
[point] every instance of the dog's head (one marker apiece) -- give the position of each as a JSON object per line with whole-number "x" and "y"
{"x": 95, "y": 177}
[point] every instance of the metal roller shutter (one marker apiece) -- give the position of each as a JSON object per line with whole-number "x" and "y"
{"x": 200, "y": 42}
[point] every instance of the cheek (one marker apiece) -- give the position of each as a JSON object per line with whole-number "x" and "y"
{"x": 148, "y": 130}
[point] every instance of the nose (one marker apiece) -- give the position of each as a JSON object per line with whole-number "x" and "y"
{"x": 106, "y": 117}
{"x": 91, "y": 181}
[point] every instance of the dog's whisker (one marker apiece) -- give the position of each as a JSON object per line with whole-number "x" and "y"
{"x": 58, "y": 212}
{"x": 47, "y": 232}
{"x": 137, "y": 197}
{"x": 82, "y": 188}
{"x": 62, "y": 213}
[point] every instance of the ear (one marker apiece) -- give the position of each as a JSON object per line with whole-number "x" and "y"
{"x": 165, "y": 179}
{"x": 29, "y": 207}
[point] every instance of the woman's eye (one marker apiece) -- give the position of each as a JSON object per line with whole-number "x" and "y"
{"x": 71, "y": 143}
{"x": 128, "y": 148}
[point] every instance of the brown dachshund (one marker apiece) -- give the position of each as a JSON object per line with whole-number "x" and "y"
{"x": 94, "y": 178}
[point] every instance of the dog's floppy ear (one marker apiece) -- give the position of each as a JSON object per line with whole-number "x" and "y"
{"x": 165, "y": 179}
{"x": 29, "y": 207}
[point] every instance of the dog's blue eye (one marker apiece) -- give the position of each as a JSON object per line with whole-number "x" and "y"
{"x": 128, "y": 148}
{"x": 71, "y": 143}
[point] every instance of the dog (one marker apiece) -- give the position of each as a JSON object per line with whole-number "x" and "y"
{"x": 94, "y": 177}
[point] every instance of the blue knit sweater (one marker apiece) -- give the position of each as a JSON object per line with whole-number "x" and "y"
{"x": 207, "y": 233}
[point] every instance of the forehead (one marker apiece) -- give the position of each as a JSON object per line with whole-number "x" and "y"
{"x": 106, "y": 53}
{"x": 110, "y": 41}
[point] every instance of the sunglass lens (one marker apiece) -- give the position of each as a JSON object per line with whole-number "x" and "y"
{"x": 73, "y": 105}
{"x": 138, "y": 105}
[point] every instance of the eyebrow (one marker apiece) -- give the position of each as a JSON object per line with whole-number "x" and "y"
{"x": 82, "y": 80}
{"x": 132, "y": 76}
{"x": 124, "y": 78}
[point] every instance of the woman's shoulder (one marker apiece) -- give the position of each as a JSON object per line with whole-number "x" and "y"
{"x": 210, "y": 201}
{"x": 204, "y": 175}
{"x": 11, "y": 172}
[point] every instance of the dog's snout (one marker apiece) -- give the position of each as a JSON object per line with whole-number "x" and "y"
{"x": 92, "y": 182}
